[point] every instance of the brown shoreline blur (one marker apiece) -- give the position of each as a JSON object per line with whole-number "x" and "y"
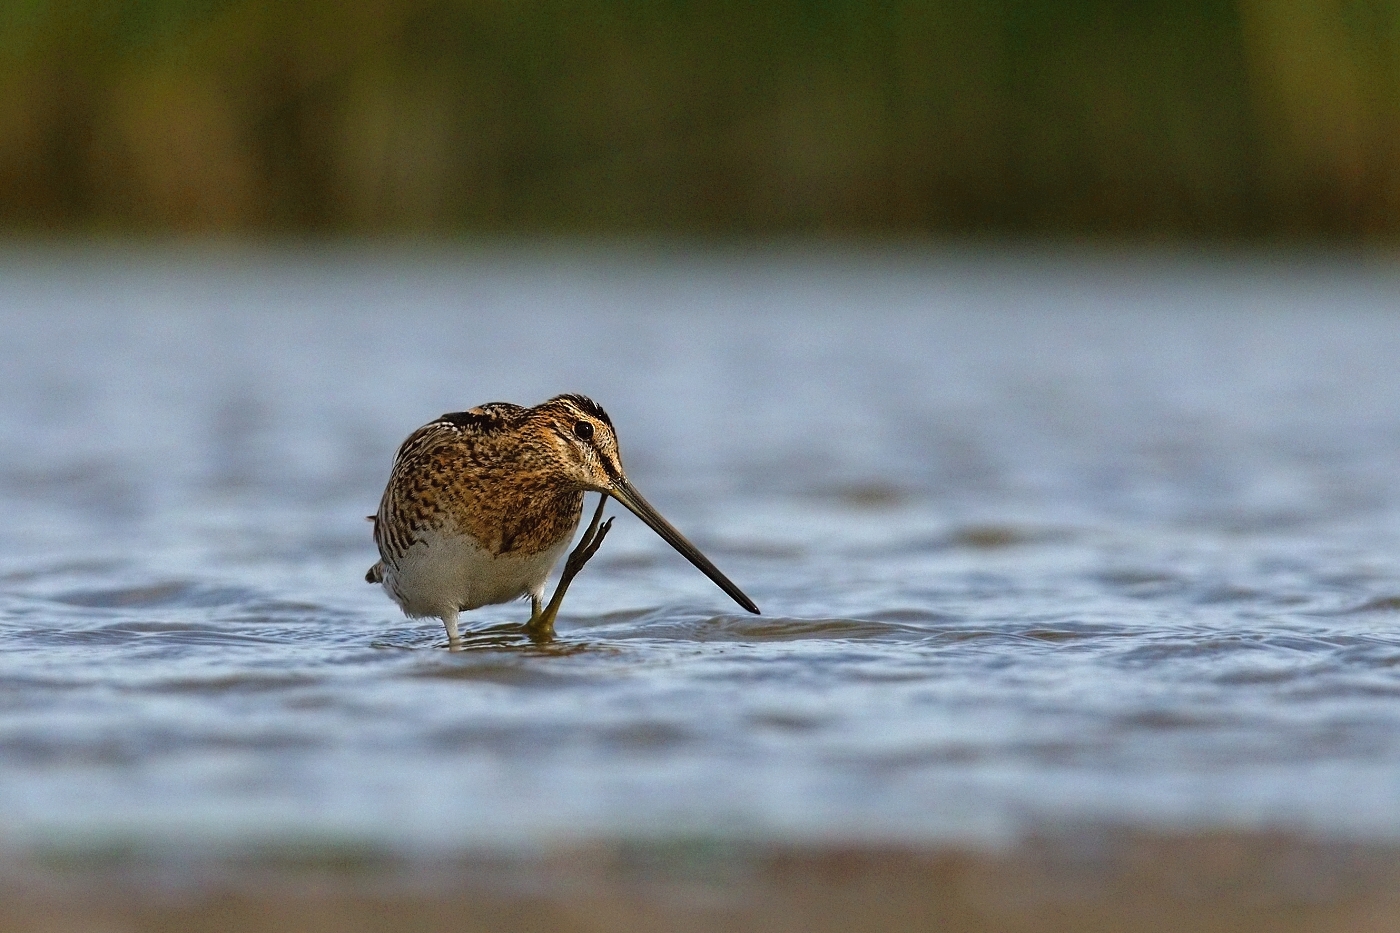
{"x": 1203, "y": 882}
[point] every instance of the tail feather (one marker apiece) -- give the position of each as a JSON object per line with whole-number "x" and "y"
{"x": 376, "y": 573}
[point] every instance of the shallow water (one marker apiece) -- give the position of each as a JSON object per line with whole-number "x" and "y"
{"x": 1039, "y": 542}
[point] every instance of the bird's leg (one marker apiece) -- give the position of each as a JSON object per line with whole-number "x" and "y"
{"x": 541, "y": 623}
{"x": 454, "y": 641}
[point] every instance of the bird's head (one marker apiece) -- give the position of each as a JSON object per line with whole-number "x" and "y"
{"x": 584, "y": 444}
{"x": 585, "y": 447}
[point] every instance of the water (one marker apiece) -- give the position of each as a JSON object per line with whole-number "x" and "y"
{"x": 1040, "y": 542}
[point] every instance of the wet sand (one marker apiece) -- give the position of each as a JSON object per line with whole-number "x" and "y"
{"x": 1075, "y": 882}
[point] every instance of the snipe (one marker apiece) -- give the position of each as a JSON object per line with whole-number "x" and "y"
{"x": 481, "y": 504}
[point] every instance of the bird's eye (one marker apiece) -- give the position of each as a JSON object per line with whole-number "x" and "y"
{"x": 584, "y": 430}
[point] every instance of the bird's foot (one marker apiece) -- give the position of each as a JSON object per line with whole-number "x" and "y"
{"x": 541, "y": 624}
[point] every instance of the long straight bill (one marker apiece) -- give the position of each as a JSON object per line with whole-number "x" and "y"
{"x": 623, "y": 492}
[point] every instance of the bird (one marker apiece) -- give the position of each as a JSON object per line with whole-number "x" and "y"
{"x": 481, "y": 504}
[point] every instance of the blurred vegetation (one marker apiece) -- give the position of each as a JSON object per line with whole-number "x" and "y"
{"x": 1177, "y": 118}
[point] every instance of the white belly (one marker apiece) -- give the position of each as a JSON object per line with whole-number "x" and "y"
{"x": 442, "y": 574}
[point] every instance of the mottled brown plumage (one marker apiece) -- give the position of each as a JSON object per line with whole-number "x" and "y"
{"x": 517, "y": 499}
{"x": 480, "y": 505}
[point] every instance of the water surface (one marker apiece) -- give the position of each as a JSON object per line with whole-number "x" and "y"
{"x": 1039, "y": 542}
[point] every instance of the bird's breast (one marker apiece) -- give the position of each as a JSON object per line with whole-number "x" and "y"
{"x": 446, "y": 571}
{"x": 518, "y": 519}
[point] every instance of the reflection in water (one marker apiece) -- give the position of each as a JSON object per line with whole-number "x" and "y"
{"x": 1036, "y": 544}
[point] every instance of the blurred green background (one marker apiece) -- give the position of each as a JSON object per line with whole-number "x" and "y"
{"x": 1256, "y": 119}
